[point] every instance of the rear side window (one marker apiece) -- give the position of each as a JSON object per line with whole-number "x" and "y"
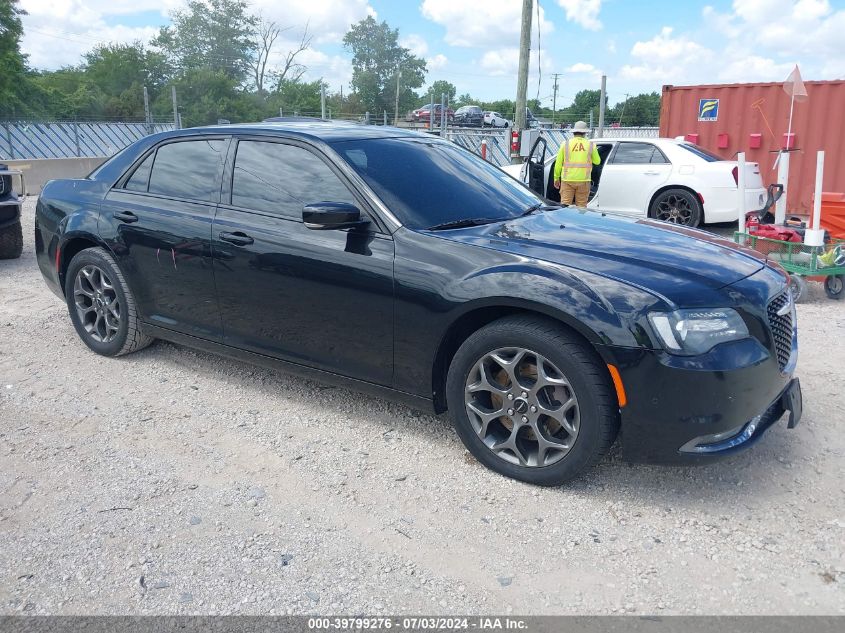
{"x": 140, "y": 180}
{"x": 281, "y": 179}
{"x": 188, "y": 169}
{"x": 702, "y": 153}
{"x": 636, "y": 154}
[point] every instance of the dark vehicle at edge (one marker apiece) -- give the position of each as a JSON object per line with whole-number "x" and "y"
{"x": 544, "y": 331}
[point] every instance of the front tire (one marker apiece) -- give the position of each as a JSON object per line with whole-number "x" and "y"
{"x": 799, "y": 288}
{"x": 102, "y": 307}
{"x": 677, "y": 206}
{"x": 11, "y": 241}
{"x": 531, "y": 402}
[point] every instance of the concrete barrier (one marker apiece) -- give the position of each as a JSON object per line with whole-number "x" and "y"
{"x": 37, "y": 172}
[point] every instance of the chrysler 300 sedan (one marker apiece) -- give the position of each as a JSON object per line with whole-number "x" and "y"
{"x": 402, "y": 265}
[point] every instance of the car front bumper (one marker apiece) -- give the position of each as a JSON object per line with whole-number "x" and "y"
{"x": 691, "y": 409}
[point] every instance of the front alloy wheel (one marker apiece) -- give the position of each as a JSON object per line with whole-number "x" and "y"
{"x": 531, "y": 400}
{"x": 522, "y": 407}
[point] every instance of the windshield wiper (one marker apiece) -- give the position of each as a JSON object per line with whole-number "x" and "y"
{"x": 459, "y": 224}
{"x": 538, "y": 207}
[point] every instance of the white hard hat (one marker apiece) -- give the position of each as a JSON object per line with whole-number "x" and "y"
{"x": 579, "y": 126}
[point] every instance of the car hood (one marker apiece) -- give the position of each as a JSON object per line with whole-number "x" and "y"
{"x": 667, "y": 259}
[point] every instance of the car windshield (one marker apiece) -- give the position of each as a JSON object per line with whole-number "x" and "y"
{"x": 702, "y": 153}
{"x": 427, "y": 183}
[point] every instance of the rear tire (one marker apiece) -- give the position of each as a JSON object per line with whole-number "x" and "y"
{"x": 677, "y": 206}
{"x": 11, "y": 241}
{"x": 834, "y": 287}
{"x": 102, "y": 307}
{"x": 559, "y": 420}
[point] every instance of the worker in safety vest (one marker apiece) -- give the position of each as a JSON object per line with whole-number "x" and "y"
{"x": 574, "y": 165}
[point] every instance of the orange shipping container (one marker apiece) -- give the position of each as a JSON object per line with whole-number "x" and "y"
{"x": 741, "y": 111}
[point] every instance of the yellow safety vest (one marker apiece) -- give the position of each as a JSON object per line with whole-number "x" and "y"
{"x": 575, "y": 160}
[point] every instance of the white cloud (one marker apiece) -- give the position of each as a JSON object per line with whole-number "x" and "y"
{"x": 503, "y": 62}
{"x": 665, "y": 57}
{"x": 488, "y": 23}
{"x": 328, "y": 20}
{"x": 415, "y": 43}
{"x": 437, "y": 62}
{"x": 581, "y": 67}
{"x": 583, "y": 12}
{"x": 58, "y": 32}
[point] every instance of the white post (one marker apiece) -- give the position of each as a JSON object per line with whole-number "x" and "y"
{"x": 783, "y": 178}
{"x": 740, "y": 164}
{"x": 815, "y": 236}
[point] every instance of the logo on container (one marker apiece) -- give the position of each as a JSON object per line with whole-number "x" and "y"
{"x": 708, "y": 109}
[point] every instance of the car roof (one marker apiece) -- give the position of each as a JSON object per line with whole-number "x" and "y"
{"x": 640, "y": 139}
{"x": 329, "y": 132}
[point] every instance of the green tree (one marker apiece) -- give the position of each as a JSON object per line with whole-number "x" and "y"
{"x": 13, "y": 68}
{"x": 377, "y": 60}
{"x": 441, "y": 87}
{"x": 464, "y": 99}
{"x": 585, "y": 102}
{"x": 215, "y": 34}
{"x": 639, "y": 110}
{"x": 121, "y": 71}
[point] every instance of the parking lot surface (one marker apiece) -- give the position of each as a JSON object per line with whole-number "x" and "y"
{"x": 173, "y": 481}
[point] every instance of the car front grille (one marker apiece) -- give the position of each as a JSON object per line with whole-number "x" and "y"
{"x": 781, "y": 327}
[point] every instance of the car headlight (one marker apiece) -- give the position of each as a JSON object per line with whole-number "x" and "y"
{"x": 691, "y": 332}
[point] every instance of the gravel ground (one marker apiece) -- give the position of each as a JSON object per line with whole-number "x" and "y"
{"x": 176, "y": 482}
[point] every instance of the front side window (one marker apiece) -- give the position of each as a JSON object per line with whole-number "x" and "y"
{"x": 188, "y": 169}
{"x": 633, "y": 154}
{"x": 428, "y": 182}
{"x": 281, "y": 179}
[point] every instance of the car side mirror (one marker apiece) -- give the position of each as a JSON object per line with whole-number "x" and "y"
{"x": 327, "y": 216}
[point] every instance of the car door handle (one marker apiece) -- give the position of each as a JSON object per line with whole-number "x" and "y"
{"x": 125, "y": 216}
{"x": 238, "y": 238}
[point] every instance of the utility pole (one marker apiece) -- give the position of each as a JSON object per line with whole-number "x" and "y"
{"x": 431, "y": 113}
{"x": 322, "y": 99}
{"x": 603, "y": 99}
{"x": 396, "y": 109}
{"x": 175, "y": 110}
{"x": 522, "y": 78}
{"x": 624, "y": 103}
{"x": 147, "y": 118}
{"x": 554, "y": 98}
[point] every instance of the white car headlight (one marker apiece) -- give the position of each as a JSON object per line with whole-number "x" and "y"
{"x": 691, "y": 332}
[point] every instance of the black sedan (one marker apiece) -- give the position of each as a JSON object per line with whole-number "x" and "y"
{"x": 405, "y": 266}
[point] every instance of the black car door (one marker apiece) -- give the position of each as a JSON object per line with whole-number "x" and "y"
{"x": 157, "y": 220}
{"x": 318, "y": 298}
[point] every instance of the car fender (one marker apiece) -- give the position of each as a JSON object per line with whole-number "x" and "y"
{"x": 575, "y": 298}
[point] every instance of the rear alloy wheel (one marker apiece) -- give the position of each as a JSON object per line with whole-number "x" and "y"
{"x": 677, "y": 206}
{"x": 101, "y": 305}
{"x": 530, "y": 401}
{"x": 834, "y": 286}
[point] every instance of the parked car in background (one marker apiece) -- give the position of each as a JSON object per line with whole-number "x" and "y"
{"x": 406, "y": 266}
{"x": 423, "y": 114}
{"x": 469, "y": 116}
{"x": 662, "y": 178}
{"x": 494, "y": 119}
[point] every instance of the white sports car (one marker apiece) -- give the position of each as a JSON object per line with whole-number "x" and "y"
{"x": 666, "y": 179}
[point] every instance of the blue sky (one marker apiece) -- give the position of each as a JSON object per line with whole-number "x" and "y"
{"x": 639, "y": 45}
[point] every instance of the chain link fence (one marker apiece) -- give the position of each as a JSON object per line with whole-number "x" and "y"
{"x": 70, "y": 139}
